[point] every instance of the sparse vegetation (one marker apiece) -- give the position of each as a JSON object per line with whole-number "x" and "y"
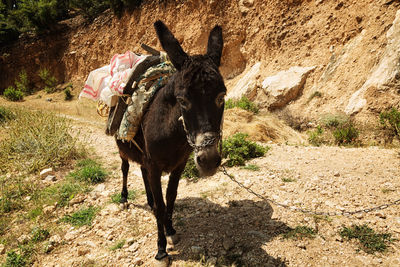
{"x": 82, "y": 217}
{"x": 6, "y": 114}
{"x": 36, "y": 140}
{"x": 15, "y": 259}
{"x": 67, "y": 94}
{"x": 118, "y": 245}
{"x": 313, "y": 95}
{"x": 116, "y": 198}
{"x": 238, "y": 149}
{"x": 315, "y": 137}
{"x": 391, "y": 120}
{"x": 49, "y": 80}
{"x": 23, "y": 84}
{"x": 288, "y": 180}
{"x": 251, "y": 167}
{"x": 300, "y": 232}
{"x": 190, "y": 171}
{"x": 89, "y": 171}
{"x": 345, "y": 133}
{"x": 13, "y": 94}
{"x": 39, "y": 234}
{"x": 243, "y": 103}
{"x": 333, "y": 120}
{"x": 370, "y": 241}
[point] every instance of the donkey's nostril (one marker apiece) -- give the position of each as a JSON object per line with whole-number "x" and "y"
{"x": 198, "y": 159}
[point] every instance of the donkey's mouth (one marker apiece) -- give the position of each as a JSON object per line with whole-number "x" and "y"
{"x": 207, "y": 161}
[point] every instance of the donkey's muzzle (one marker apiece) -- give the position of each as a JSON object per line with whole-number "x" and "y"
{"x": 207, "y": 157}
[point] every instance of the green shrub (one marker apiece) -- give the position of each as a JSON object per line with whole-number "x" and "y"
{"x": 89, "y": 171}
{"x": 313, "y": 95}
{"x": 369, "y": 240}
{"x": 391, "y": 119}
{"x": 39, "y": 234}
{"x": 251, "y": 167}
{"x": 67, "y": 94}
{"x": 37, "y": 140}
{"x": 118, "y": 245}
{"x": 12, "y": 94}
{"x": 243, "y": 103}
{"x": 191, "y": 171}
{"x": 49, "y": 80}
{"x": 90, "y": 9}
{"x": 300, "y": 232}
{"x": 238, "y": 149}
{"x": 6, "y": 114}
{"x": 315, "y": 137}
{"x": 23, "y": 84}
{"x": 82, "y": 217}
{"x": 15, "y": 259}
{"x": 345, "y": 133}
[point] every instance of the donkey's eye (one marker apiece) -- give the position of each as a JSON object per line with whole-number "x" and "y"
{"x": 219, "y": 101}
{"x": 185, "y": 104}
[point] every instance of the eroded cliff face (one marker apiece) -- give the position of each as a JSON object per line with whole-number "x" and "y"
{"x": 343, "y": 40}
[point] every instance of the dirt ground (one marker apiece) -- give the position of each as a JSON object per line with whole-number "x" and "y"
{"x": 218, "y": 221}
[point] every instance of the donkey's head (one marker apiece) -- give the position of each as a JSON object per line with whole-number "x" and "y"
{"x": 200, "y": 91}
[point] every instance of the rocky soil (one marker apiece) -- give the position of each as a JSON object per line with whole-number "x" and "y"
{"x": 221, "y": 222}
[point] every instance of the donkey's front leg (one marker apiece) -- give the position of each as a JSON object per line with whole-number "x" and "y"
{"x": 172, "y": 189}
{"x": 159, "y": 210}
{"x": 125, "y": 170}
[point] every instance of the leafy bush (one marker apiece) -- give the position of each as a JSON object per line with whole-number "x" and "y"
{"x": 89, "y": 8}
{"x": 6, "y": 114}
{"x": 67, "y": 94}
{"x": 333, "y": 120}
{"x": 243, "y": 103}
{"x": 36, "y": 140}
{"x": 345, "y": 133}
{"x": 369, "y": 240}
{"x": 49, "y": 80}
{"x": 238, "y": 149}
{"x": 15, "y": 259}
{"x": 315, "y": 137}
{"x": 23, "y": 84}
{"x": 82, "y": 217}
{"x": 39, "y": 234}
{"x": 391, "y": 119}
{"x": 12, "y": 94}
{"x": 89, "y": 171}
{"x": 191, "y": 171}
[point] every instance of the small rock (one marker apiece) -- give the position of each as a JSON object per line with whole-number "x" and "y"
{"x": 380, "y": 214}
{"x": 70, "y": 235}
{"x": 77, "y": 200}
{"x": 48, "y": 209}
{"x": 46, "y": 172}
{"x": 359, "y": 216}
{"x": 137, "y": 261}
{"x": 301, "y": 245}
{"x": 83, "y": 251}
{"x": 197, "y": 250}
{"x": 55, "y": 239}
{"x": 23, "y": 239}
{"x": 133, "y": 248}
{"x": 27, "y": 198}
{"x": 50, "y": 178}
{"x": 228, "y": 243}
{"x": 49, "y": 99}
{"x": 2, "y": 249}
{"x": 336, "y": 174}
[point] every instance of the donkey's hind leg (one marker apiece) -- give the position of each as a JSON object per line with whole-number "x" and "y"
{"x": 125, "y": 170}
{"x": 149, "y": 195}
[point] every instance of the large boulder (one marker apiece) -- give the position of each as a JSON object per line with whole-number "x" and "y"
{"x": 283, "y": 87}
{"x": 247, "y": 85}
{"x": 384, "y": 73}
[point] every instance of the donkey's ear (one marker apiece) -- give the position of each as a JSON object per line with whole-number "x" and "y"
{"x": 215, "y": 45}
{"x": 170, "y": 45}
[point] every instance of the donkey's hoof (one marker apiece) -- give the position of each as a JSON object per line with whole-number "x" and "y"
{"x": 173, "y": 239}
{"x": 164, "y": 262}
{"x": 124, "y": 206}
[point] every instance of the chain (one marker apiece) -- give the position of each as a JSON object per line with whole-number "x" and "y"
{"x": 309, "y": 211}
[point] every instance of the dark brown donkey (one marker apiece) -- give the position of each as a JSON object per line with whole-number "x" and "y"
{"x": 185, "y": 115}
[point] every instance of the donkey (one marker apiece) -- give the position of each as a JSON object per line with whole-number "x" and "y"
{"x": 184, "y": 115}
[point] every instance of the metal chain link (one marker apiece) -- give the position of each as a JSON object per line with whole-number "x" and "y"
{"x": 309, "y": 211}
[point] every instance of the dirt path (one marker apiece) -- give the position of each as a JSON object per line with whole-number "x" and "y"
{"x": 220, "y": 222}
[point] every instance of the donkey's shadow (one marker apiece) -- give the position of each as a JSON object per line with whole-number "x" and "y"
{"x": 227, "y": 234}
